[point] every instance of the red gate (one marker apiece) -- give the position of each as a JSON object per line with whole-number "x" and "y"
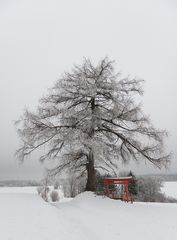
{"x": 120, "y": 190}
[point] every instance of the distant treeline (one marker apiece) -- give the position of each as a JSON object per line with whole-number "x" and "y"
{"x": 19, "y": 183}
{"x": 23, "y": 183}
{"x": 164, "y": 177}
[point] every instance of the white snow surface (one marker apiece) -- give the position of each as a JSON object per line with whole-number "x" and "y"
{"x": 170, "y": 189}
{"x": 26, "y": 216}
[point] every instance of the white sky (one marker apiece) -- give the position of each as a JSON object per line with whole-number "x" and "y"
{"x": 40, "y": 39}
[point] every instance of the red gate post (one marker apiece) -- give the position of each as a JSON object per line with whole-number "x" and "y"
{"x": 126, "y": 190}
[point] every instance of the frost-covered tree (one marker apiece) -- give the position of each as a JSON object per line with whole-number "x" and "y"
{"x": 91, "y": 120}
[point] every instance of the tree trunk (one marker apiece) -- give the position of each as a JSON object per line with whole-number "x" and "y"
{"x": 91, "y": 183}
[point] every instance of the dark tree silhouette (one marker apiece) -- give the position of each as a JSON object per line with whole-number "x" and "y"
{"x": 133, "y": 186}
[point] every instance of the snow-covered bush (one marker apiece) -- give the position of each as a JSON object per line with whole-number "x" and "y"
{"x": 149, "y": 190}
{"x": 54, "y": 196}
{"x": 43, "y": 192}
{"x": 39, "y": 190}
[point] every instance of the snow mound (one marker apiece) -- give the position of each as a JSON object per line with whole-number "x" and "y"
{"x": 85, "y": 196}
{"x": 103, "y": 218}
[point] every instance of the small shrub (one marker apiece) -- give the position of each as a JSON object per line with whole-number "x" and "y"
{"x": 54, "y": 196}
{"x": 39, "y": 190}
{"x": 171, "y": 200}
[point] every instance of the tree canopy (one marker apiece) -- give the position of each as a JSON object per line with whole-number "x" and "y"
{"x": 90, "y": 120}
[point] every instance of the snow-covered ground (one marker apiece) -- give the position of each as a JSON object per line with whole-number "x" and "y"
{"x": 170, "y": 189}
{"x": 25, "y": 216}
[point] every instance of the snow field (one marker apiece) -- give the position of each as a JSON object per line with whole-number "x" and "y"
{"x": 170, "y": 189}
{"x": 25, "y": 216}
{"x": 28, "y": 217}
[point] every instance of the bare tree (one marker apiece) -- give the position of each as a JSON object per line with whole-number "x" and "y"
{"x": 73, "y": 184}
{"x": 91, "y": 120}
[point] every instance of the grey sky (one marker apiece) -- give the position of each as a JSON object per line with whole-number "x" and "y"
{"x": 40, "y": 39}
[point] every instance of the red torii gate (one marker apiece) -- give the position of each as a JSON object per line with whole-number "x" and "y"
{"x": 121, "y": 191}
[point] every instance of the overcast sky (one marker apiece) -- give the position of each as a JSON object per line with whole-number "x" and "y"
{"x": 41, "y": 39}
